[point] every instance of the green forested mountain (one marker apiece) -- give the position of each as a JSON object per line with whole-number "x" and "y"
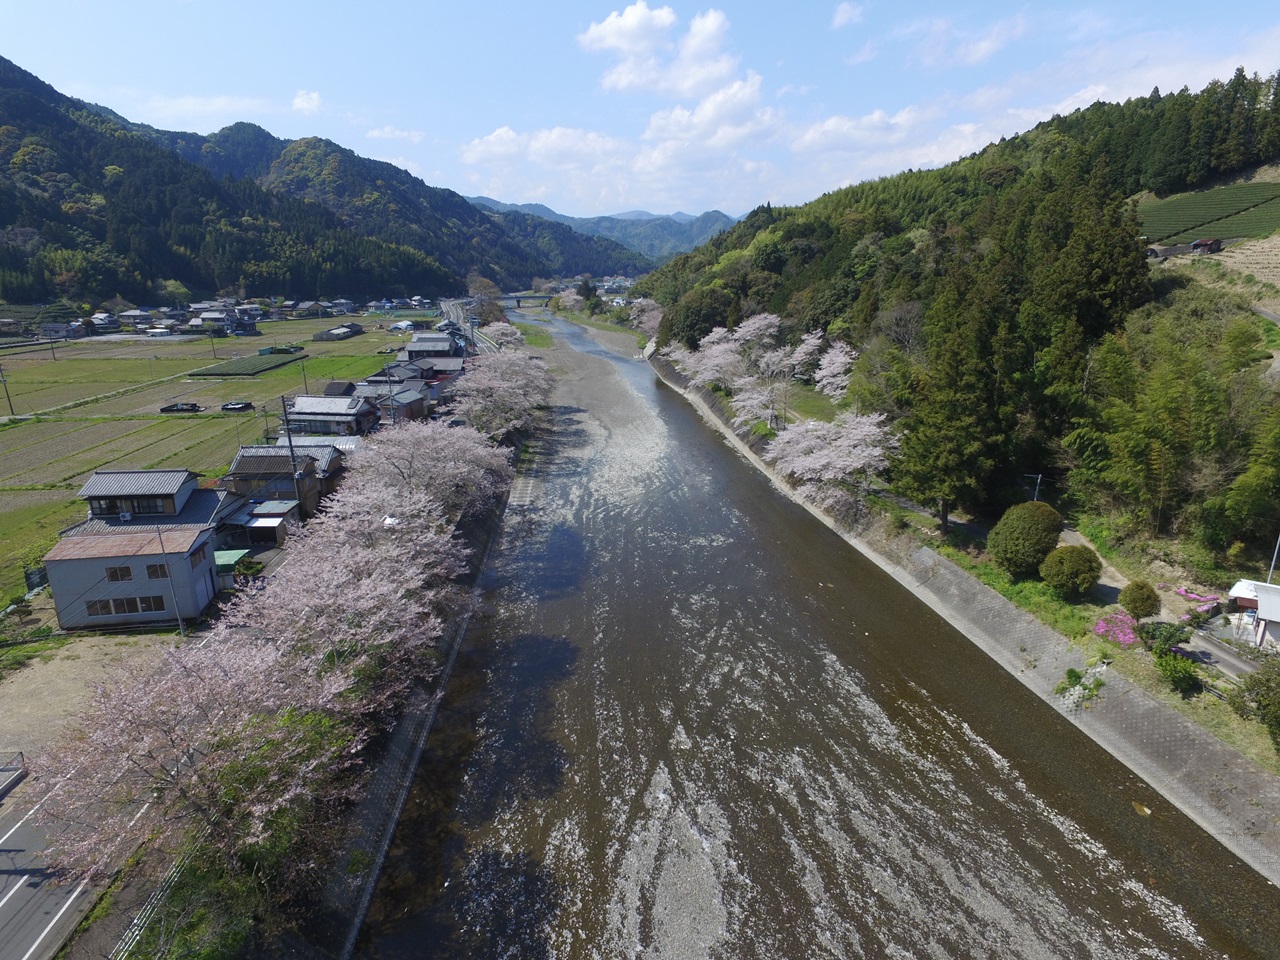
{"x": 381, "y": 200}
{"x": 659, "y": 238}
{"x": 92, "y": 206}
{"x": 1006, "y": 315}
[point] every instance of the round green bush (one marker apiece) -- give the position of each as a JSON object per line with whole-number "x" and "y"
{"x": 1023, "y": 538}
{"x": 1071, "y": 571}
{"x": 1140, "y": 599}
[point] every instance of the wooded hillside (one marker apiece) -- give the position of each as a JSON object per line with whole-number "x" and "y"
{"x": 1007, "y": 318}
{"x": 92, "y": 206}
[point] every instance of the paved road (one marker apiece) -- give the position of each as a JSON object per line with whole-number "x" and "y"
{"x": 36, "y": 914}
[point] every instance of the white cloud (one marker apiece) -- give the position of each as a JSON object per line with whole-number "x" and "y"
{"x": 651, "y": 59}
{"x": 874, "y": 129}
{"x": 306, "y": 101}
{"x": 391, "y": 133}
{"x": 866, "y": 52}
{"x": 980, "y": 48}
{"x": 404, "y": 163}
{"x": 944, "y": 44}
{"x": 724, "y": 119}
{"x": 637, "y": 31}
{"x": 846, "y": 13}
{"x": 189, "y": 110}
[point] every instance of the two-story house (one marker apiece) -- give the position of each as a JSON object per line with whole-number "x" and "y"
{"x": 275, "y": 473}
{"x": 151, "y": 576}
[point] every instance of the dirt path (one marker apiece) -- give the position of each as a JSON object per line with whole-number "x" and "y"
{"x": 42, "y": 701}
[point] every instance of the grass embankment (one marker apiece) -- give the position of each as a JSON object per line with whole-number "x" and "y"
{"x": 534, "y": 336}
{"x": 1075, "y": 621}
{"x": 596, "y": 323}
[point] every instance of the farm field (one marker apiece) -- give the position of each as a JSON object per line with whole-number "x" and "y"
{"x": 31, "y": 520}
{"x": 96, "y": 405}
{"x": 1189, "y": 216}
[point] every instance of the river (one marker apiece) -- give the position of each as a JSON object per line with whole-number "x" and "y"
{"x": 692, "y": 722}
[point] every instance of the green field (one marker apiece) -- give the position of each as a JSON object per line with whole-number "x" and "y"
{"x": 249, "y": 366}
{"x": 1238, "y": 210}
{"x": 95, "y": 404}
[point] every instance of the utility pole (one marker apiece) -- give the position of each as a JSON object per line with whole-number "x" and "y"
{"x": 1036, "y": 495}
{"x": 6, "y": 392}
{"x": 168, "y": 568}
{"x": 293, "y": 461}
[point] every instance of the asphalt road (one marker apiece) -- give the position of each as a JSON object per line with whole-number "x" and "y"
{"x": 37, "y": 914}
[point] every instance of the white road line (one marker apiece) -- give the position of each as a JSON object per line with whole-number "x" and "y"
{"x": 14, "y": 890}
{"x": 52, "y": 923}
{"x": 40, "y": 804}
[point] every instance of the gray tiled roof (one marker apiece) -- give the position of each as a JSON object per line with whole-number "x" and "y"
{"x": 204, "y": 508}
{"x": 272, "y": 460}
{"x": 325, "y": 405}
{"x": 135, "y": 483}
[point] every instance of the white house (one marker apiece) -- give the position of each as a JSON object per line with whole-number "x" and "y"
{"x": 132, "y": 579}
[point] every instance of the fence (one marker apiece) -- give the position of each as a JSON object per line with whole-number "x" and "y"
{"x": 12, "y": 771}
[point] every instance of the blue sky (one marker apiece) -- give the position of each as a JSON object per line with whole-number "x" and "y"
{"x": 603, "y": 107}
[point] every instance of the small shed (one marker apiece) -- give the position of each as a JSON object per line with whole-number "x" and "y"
{"x": 1207, "y": 246}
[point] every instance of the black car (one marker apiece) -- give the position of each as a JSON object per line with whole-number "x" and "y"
{"x": 181, "y": 408}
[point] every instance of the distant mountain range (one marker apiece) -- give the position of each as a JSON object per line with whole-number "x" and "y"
{"x": 93, "y": 205}
{"x": 658, "y": 237}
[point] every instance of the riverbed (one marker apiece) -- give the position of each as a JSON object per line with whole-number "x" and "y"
{"x": 691, "y": 721}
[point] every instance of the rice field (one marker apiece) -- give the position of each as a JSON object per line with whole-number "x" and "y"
{"x": 97, "y": 404}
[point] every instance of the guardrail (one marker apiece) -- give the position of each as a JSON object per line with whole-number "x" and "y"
{"x": 13, "y": 770}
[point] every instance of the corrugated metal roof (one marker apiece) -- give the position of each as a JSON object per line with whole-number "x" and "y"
{"x": 330, "y": 405}
{"x": 135, "y": 483}
{"x": 105, "y": 545}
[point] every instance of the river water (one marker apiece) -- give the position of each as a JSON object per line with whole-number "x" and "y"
{"x": 691, "y": 722}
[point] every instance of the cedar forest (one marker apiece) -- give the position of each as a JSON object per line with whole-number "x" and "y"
{"x": 1006, "y": 320}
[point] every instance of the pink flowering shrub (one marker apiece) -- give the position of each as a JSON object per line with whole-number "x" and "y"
{"x": 1119, "y": 628}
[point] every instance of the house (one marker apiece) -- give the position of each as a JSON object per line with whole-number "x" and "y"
{"x": 61, "y": 331}
{"x": 1260, "y": 604}
{"x": 131, "y": 501}
{"x": 102, "y": 323}
{"x": 309, "y": 308}
{"x": 137, "y": 578}
{"x": 1207, "y": 246}
{"x": 344, "y": 416}
{"x": 268, "y": 472}
{"x": 396, "y": 403}
{"x": 345, "y": 332}
{"x": 432, "y": 344}
{"x": 339, "y": 388}
{"x": 342, "y": 306}
{"x": 315, "y": 446}
{"x": 266, "y": 523}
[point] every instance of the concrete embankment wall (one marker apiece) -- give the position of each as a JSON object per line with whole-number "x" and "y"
{"x": 1232, "y": 798}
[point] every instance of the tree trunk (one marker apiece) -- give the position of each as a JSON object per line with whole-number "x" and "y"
{"x": 944, "y": 516}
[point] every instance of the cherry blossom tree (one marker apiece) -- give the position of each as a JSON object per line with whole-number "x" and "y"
{"x": 834, "y": 368}
{"x": 458, "y": 466}
{"x": 504, "y": 335}
{"x": 499, "y": 391}
{"x": 831, "y": 462}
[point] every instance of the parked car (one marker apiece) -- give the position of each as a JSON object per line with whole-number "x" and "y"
{"x": 237, "y": 406}
{"x": 181, "y": 408}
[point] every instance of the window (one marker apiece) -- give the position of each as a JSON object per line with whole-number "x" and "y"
{"x": 149, "y": 505}
{"x": 151, "y": 604}
{"x": 157, "y": 571}
{"x": 98, "y": 608}
{"x": 197, "y": 558}
{"x": 119, "y": 574}
{"x": 124, "y": 605}
{"x": 104, "y": 507}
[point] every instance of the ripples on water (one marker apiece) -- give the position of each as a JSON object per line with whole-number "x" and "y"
{"x": 671, "y": 749}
